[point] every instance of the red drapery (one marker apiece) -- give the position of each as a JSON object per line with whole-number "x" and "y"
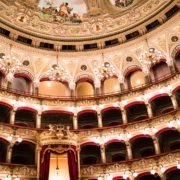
{"x": 45, "y": 164}
{"x": 72, "y": 165}
{"x": 72, "y": 162}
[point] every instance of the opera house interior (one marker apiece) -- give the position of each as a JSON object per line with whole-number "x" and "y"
{"x": 89, "y": 90}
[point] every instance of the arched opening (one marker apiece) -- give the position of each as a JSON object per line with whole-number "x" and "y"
{"x": 21, "y": 84}
{"x": 111, "y": 85}
{"x": 111, "y": 116}
{"x": 135, "y": 79}
{"x": 3, "y": 149}
{"x": 53, "y": 88}
{"x": 142, "y": 147}
{"x": 177, "y": 61}
{"x": 136, "y": 112}
{"x": 90, "y": 154}
{"x": 56, "y": 117}
{"x": 25, "y": 118}
{"x": 115, "y": 151}
{"x": 161, "y": 104}
{"x": 87, "y": 120}
{"x": 2, "y": 76}
{"x": 84, "y": 87}
{"x": 23, "y": 153}
{"x": 149, "y": 177}
{"x": 173, "y": 175}
{"x": 159, "y": 71}
{"x": 177, "y": 95}
{"x": 4, "y": 113}
{"x": 169, "y": 140}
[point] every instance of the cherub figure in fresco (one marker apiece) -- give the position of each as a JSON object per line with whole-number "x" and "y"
{"x": 65, "y": 10}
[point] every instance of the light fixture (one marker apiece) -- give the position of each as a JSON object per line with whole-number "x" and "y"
{"x": 135, "y": 174}
{"x": 57, "y": 166}
{"x": 162, "y": 168}
{"x": 14, "y": 138}
{"x": 153, "y": 171}
{"x": 10, "y": 64}
{"x": 58, "y": 73}
{"x": 105, "y": 70}
{"x": 150, "y": 56}
{"x": 178, "y": 165}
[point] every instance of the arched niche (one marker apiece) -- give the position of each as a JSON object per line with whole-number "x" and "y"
{"x": 142, "y": 146}
{"x": 25, "y": 117}
{"x": 135, "y": 79}
{"x": 161, "y": 104}
{"x": 115, "y": 151}
{"x": 159, "y": 71}
{"x": 84, "y": 88}
{"x": 53, "y": 88}
{"x": 169, "y": 140}
{"x": 3, "y": 149}
{"x": 177, "y": 61}
{"x": 90, "y": 154}
{"x": 2, "y": 76}
{"x": 23, "y": 153}
{"x": 21, "y": 84}
{"x": 111, "y": 85}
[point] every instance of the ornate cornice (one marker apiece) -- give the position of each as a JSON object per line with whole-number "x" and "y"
{"x": 108, "y": 25}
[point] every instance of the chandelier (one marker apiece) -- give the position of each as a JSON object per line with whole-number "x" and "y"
{"x": 150, "y": 56}
{"x": 10, "y": 64}
{"x": 105, "y": 70}
{"x": 57, "y": 73}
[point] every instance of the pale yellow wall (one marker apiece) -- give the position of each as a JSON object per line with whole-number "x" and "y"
{"x": 137, "y": 79}
{"x": 63, "y": 167}
{"x": 84, "y": 89}
{"x": 111, "y": 85}
{"x": 53, "y": 88}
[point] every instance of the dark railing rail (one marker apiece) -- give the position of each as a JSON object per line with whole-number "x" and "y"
{"x": 98, "y": 96}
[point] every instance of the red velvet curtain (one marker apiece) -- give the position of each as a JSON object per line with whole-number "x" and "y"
{"x": 45, "y": 164}
{"x": 72, "y": 162}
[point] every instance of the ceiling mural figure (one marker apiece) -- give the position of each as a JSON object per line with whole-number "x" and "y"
{"x": 63, "y": 11}
{"x": 121, "y": 3}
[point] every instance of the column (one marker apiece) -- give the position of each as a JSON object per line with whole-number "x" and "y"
{"x": 78, "y": 162}
{"x": 38, "y": 120}
{"x": 103, "y": 154}
{"x": 75, "y": 121}
{"x": 9, "y": 153}
{"x": 129, "y": 150}
{"x": 36, "y": 91}
{"x": 122, "y": 87}
{"x": 149, "y": 110}
{"x": 72, "y": 87}
{"x": 162, "y": 176}
{"x": 156, "y": 145}
{"x": 12, "y": 116}
{"x": 100, "y": 124}
{"x": 174, "y": 101}
{"x": 124, "y": 116}
{"x": 38, "y": 160}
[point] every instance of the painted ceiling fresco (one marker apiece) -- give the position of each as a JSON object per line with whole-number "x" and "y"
{"x": 62, "y": 10}
{"x": 121, "y": 3}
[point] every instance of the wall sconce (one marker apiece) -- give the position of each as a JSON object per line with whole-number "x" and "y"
{"x": 14, "y": 138}
{"x": 178, "y": 165}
